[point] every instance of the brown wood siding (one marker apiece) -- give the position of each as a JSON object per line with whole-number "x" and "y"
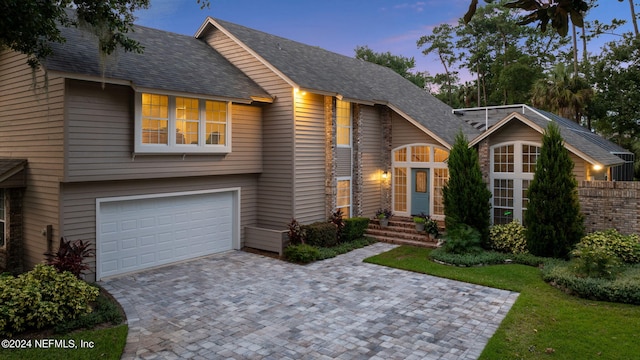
{"x": 371, "y": 145}
{"x": 404, "y": 133}
{"x": 31, "y": 127}
{"x": 309, "y": 159}
{"x": 515, "y": 130}
{"x": 78, "y": 208}
{"x": 100, "y": 125}
{"x": 275, "y": 202}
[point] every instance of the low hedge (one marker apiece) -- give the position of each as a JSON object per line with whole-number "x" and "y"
{"x": 320, "y": 234}
{"x": 624, "y": 289}
{"x": 354, "y": 228}
{"x": 484, "y": 258}
{"x": 41, "y": 298}
{"x": 304, "y": 253}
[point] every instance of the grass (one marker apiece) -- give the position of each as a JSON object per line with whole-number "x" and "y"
{"x": 544, "y": 322}
{"x": 108, "y": 344}
{"x": 104, "y": 336}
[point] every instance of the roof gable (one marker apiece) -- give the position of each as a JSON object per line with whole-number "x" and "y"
{"x": 317, "y": 70}
{"x": 170, "y": 62}
{"x": 589, "y": 147}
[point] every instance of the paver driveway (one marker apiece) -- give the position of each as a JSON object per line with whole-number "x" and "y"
{"x": 239, "y": 305}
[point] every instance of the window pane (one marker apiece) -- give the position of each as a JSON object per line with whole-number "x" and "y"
{"x": 421, "y": 181}
{"x": 400, "y": 189}
{"x": 440, "y": 177}
{"x": 502, "y": 201}
{"x": 343, "y": 122}
{"x": 440, "y": 155}
{"x": 420, "y": 153}
{"x": 216, "y": 122}
{"x": 503, "y": 160}
{"x": 343, "y": 200}
{"x": 155, "y": 119}
{"x": 401, "y": 155}
{"x": 187, "y": 120}
{"x": 530, "y": 154}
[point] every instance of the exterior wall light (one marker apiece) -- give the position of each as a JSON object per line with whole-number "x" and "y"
{"x": 385, "y": 175}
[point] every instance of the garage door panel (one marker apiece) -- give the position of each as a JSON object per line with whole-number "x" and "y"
{"x": 140, "y": 233}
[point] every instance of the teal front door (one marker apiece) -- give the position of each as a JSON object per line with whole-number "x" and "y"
{"x": 420, "y": 191}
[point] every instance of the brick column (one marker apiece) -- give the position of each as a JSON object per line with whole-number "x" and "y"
{"x": 484, "y": 159}
{"x": 330, "y": 181}
{"x": 387, "y": 145}
{"x": 357, "y": 179}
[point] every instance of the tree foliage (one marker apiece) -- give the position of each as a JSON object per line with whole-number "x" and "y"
{"x": 440, "y": 42}
{"x": 553, "y": 219}
{"x": 465, "y": 195}
{"x": 563, "y": 93}
{"x": 400, "y": 64}
{"x": 29, "y": 26}
{"x": 556, "y": 12}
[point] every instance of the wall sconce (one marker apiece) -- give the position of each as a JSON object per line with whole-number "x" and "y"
{"x": 597, "y": 167}
{"x": 385, "y": 175}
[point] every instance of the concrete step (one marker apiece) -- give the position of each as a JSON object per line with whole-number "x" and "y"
{"x": 400, "y": 231}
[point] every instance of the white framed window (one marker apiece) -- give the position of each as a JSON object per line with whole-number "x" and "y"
{"x": 419, "y": 156}
{"x": 3, "y": 218}
{"x": 177, "y": 124}
{"x": 343, "y": 199}
{"x": 343, "y": 123}
{"x": 513, "y": 165}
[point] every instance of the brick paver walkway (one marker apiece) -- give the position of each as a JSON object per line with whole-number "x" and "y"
{"x": 239, "y": 305}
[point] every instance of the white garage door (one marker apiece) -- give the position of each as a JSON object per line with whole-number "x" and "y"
{"x": 135, "y": 234}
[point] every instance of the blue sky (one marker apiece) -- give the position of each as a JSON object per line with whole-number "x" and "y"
{"x": 337, "y": 25}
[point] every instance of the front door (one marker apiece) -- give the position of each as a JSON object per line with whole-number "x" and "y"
{"x": 420, "y": 191}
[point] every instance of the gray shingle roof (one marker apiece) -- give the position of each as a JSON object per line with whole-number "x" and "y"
{"x": 169, "y": 62}
{"x": 317, "y": 69}
{"x": 592, "y": 145}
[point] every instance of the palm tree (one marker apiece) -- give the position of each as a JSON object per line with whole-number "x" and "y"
{"x": 562, "y": 93}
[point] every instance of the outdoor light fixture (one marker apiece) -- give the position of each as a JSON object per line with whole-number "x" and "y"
{"x": 385, "y": 175}
{"x": 597, "y": 167}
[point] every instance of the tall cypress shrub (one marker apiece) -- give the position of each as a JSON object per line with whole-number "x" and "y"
{"x": 553, "y": 219}
{"x": 466, "y": 197}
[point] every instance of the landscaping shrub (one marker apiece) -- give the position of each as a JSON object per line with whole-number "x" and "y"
{"x": 485, "y": 258}
{"x": 354, "y": 228}
{"x": 462, "y": 239}
{"x": 627, "y": 248}
{"x": 321, "y": 234}
{"x": 624, "y": 289}
{"x": 301, "y": 253}
{"x": 70, "y": 256}
{"x": 42, "y": 297}
{"x": 465, "y": 195}
{"x": 296, "y": 233}
{"x": 337, "y": 218}
{"x": 105, "y": 311}
{"x": 553, "y": 218}
{"x": 508, "y": 238}
{"x": 595, "y": 261}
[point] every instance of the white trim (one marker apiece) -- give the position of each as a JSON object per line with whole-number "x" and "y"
{"x": 172, "y": 148}
{"x": 346, "y": 178}
{"x": 517, "y": 175}
{"x": 236, "y": 196}
{"x": 410, "y": 165}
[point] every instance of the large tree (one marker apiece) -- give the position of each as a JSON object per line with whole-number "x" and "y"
{"x": 29, "y": 26}
{"x": 465, "y": 196}
{"x": 440, "y": 42}
{"x": 553, "y": 219}
{"x": 400, "y": 64}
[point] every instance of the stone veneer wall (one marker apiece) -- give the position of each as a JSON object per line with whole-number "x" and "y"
{"x": 610, "y": 204}
{"x": 484, "y": 160}
{"x": 387, "y": 146}
{"x": 330, "y": 154}
{"x": 357, "y": 179}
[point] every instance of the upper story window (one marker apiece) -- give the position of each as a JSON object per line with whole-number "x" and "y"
{"x": 343, "y": 123}
{"x": 175, "y": 124}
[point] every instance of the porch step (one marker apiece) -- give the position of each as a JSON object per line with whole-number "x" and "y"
{"x": 401, "y": 231}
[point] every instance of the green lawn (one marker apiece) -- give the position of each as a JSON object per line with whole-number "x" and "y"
{"x": 108, "y": 343}
{"x": 544, "y": 322}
